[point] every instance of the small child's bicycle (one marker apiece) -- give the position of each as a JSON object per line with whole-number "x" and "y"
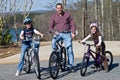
{"x": 99, "y": 60}
{"x": 32, "y": 57}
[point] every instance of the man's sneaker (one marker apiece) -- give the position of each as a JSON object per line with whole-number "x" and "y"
{"x": 17, "y": 73}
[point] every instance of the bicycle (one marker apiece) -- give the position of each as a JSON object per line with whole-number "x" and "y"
{"x": 32, "y": 57}
{"x": 99, "y": 60}
{"x": 57, "y": 60}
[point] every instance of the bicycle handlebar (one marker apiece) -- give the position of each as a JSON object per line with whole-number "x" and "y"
{"x": 36, "y": 38}
{"x": 84, "y": 43}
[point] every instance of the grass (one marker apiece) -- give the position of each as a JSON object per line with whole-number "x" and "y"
{"x": 13, "y": 50}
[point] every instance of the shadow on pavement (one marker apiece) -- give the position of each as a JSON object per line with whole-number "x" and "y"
{"x": 92, "y": 66}
{"x": 45, "y": 71}
{"x": 114, "y": 65}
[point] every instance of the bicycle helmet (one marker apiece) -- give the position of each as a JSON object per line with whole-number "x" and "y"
{"x": 93, "y": 24}
{"x": 27, "y": 21}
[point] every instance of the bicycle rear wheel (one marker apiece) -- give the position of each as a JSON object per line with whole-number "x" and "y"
{"x": 109, "y": 57}
{"x": 63, "y": 59}
{"x": 84, "y": 65}
{"x": 27, "y": 65}
{"x": 54, "y": 65}
{"x": 37, "y": 65}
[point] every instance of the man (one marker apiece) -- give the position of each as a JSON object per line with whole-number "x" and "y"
{"x": 63, "y": 27}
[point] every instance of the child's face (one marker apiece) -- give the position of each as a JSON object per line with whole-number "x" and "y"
{"x": 28, "y": 26}
{"x": 93, "y": 29}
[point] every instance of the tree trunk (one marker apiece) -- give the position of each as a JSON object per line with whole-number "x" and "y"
{"x": 98, "y": 14}
{"x": 118, "y": 12}
{"x": 64, "y": 4}
{"x": 84, "y": 17}
{"x": 102, "y": 16}
{"x": 111, "y": 23}
{"x": 96, "y": 10}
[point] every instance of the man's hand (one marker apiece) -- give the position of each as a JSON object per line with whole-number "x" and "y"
{"x": 73, "y": 35}
{"x": 56, "y": 33}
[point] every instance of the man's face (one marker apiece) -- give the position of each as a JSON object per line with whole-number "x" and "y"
{"x": 59, "y": 9}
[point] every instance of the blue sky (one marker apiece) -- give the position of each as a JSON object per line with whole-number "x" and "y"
{"x": 42, "y": 4}
{"x": 37, "y": 5}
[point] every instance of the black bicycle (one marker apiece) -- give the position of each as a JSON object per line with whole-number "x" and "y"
{"x": 57, "y": 60}
{"x": 32, "y": 57}
{"x": 99, "y": 60}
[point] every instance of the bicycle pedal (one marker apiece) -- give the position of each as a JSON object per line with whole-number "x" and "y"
{"x": 93, "y": 67}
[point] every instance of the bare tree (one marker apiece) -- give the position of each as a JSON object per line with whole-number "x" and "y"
{"x": 27, "y": 4}
{"x": 14, "y": 6}
{"x": 3, "y": 7}
{"x": 64, "y": 4}
{"x": 84, "y": 17}
{"x": 111, "y": 23}
{"x": 118, "y": 12}
{"x": 96, "y": 10}
{"x": 102, "y": 15}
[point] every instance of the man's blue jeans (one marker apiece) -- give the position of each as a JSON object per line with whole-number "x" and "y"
{"x": 23, "y": 49}
{"x": 67, "y": 39}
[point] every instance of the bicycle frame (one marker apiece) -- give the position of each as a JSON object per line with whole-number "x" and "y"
{"x": 59, "y": 45}
{"x": 90, "y": 52}
{"x": 35, "y": 50}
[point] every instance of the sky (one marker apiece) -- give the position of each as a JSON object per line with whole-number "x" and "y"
{"x": 37, "y": 5}
{"x": 42, "y": 4}
{"x": 8, "y": 5}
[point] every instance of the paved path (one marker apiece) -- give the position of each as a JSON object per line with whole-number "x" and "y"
{"x": 79, "y": 49}
{"x": 7, "y": 72}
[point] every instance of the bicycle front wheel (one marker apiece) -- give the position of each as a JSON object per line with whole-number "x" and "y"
{"x": 27, "y": 64}
{"x": 37, "y": 65}
{"x": 84, "y": 66}
{"x": 54, "y": 65}
{"x": 63, "y": 59}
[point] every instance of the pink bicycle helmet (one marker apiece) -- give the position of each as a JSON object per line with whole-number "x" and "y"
{"x": 93, "y": 24}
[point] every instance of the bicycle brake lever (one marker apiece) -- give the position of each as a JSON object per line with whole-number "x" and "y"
{"x": 83, "y": 43}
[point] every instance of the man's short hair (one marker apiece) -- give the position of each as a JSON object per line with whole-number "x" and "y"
{"x": 59, "y": 4}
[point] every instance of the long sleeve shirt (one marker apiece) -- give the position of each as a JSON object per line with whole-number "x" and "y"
{"x": 98, "y": 42}
{"x": 62, "y": 23}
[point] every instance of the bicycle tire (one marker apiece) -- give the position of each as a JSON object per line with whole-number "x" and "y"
{"x": 84, "y": 66}
{"x": 54, "y": 65}
{"x": 27, "y": 65}
{"x": 63, "y": 59}
{"x": 109, "y": 57}
{"x": 37, "y": 65}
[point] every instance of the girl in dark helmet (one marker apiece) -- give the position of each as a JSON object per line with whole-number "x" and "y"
{"x": 99, "y": 43}
{"x": 26, "y": 34}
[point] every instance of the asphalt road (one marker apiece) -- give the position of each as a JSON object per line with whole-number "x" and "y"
{"x": 7, "y": 72}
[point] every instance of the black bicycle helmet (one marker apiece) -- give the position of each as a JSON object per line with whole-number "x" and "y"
{"x": 27, "y": 21}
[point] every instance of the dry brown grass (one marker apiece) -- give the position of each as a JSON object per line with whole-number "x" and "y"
{"x": 9, "y": 51}
{"x": 12, "y": 50}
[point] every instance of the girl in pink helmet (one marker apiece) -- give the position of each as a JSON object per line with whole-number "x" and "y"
{"x": 99, "y": 43}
